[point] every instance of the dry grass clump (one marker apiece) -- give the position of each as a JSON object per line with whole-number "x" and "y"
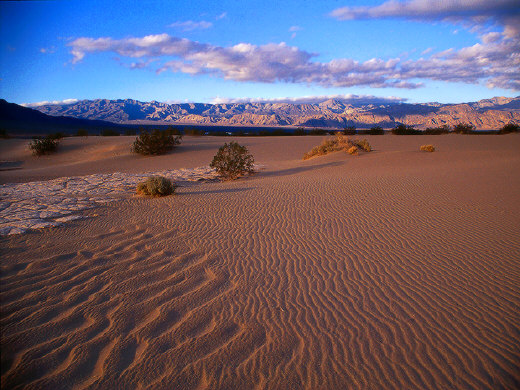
{"x": 336, "y": 144}
{"x": 353, "y": 150}
{"x": 156, "y": 186}
{"x": 428, "y": 148}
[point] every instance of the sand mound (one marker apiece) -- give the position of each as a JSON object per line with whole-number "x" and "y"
{"x": 395, "y": 269}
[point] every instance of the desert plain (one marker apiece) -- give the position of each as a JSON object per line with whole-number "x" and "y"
{"x": 395, "y": 269}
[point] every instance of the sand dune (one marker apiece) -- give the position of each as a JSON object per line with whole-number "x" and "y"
{"x": 395, "y": 269}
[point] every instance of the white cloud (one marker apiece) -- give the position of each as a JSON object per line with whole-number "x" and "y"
{"x": 347, "y": 99}
{"x": 44, "y": 103}
{"x": 190, "y": 25}
{"x": 495, "y": 61}
{"x": 223, "y": 15}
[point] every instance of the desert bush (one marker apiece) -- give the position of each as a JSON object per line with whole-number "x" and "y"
{"x": 444, "y": 129}
{"x": 363, "y": 144}
{"x": 349, "y": 130}
{"x": 56, "y": 136}
{"x": 352, "y": 150}
{"x": 376, "y": 130}
{"x": 509, "y": 128}
{"x": 130, "y": 132}
{"x": 110, "y": 133}
{"x": 3, "y": 133}
{"x": 336, "y": 144}
{"x": 155, "y": 143}
{"x": 318, "y": 132}
{"x": 232, "y": 160}
{"x": 402, "y": 129}
{"x": 428, "y": 148}
{"x": 156, "y": 186}
{"x": 299, "y": 131}
{"x": 82, "y": 133}
{"x": 41, "y": 146}
{"x": 463, "y": 128}
{"x": 193, "y": 131}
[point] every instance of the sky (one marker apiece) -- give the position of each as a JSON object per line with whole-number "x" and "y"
{"x": 415, "y": 51}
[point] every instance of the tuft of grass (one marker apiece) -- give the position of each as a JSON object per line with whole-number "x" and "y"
{"x": 47, "y": 145}
{"x": 428, "y": 148}
{"x": 156, "y": 186}
{"x": 232, "y": 161}
{"x": 336, "y": 144}
{"x": 353, "y": 150}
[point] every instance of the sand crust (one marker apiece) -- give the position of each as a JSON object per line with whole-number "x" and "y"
{"x": 394, "y": 269}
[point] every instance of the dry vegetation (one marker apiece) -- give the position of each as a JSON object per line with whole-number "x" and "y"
{"x": 156, "y": 186}
{"x": 428, "y": 148}
{"x": 339, "y": 143}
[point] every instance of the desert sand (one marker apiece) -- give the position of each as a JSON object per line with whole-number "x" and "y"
{"x": 395, "y": 269}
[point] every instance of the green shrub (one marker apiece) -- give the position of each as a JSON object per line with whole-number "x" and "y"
{"x": 41, "y": 146}
{"x": 463, "y": 128}
{"x": 232, "y": 161}
{"x": 349, "y": 130}
{"x": 376, "y": 130}
{"x": 509, "y": 128}
{"x": 154, "y": 143}
{"x": 444, "y": 129}
{"x": 402, "y": 129}
{"x": 110, "y": 133}
{"x": 428, "y": 148}
{"x": 156, "y": 186}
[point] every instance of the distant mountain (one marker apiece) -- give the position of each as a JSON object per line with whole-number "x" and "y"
{"x": 20, "y": 120}
{"x": 484, "y": 114}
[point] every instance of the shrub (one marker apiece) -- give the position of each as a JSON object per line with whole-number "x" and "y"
{"x": 463, "y": 128}
{"x": 193, "y": 131}
{"x": 109, "y": 133}
{"x": 340, "y": 142}
{"x": 155, "y": 143}
{"x": 353, "y": 150}
{"x": 41, "y": 146}
{"x": 444, "y": 129}
{"x": 82, "y": 133}
{"x": 349, "y": 130}
{"x": 376, "y": 130}
{"x": 428, "y": 148}
{"x": 232, "y": 161}
{"x": 56, "y": 136}
{"x": 130, "y": 132}
{"x": 156, "y": 186}
{"x": 402, "y": 129}
{"x": 363, "y": 144}
{"x": 509, "y": 128}
{"x": 3, "y": 133}
{"x": 299, "y": 131}
{"x": 318, "y": 132}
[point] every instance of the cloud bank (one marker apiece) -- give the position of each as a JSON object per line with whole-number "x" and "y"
{"x": 44, "y": 103}
{"x": 494, "y": 61}
{"x": 348, "y": 99}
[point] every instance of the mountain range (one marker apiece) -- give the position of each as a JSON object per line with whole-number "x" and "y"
{"x": 484, "y": 114}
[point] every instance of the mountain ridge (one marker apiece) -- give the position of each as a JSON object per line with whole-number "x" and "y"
{"x": 333, "y": 113}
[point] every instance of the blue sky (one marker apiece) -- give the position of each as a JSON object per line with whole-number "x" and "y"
{"x": 448, "y": 51}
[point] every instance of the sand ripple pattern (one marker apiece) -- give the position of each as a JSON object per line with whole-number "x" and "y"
{"x": 36, "y": 205}
{"x": 315, "y": 277}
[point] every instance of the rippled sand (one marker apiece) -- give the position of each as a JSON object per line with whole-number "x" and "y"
{"x": 395, "y": 269}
